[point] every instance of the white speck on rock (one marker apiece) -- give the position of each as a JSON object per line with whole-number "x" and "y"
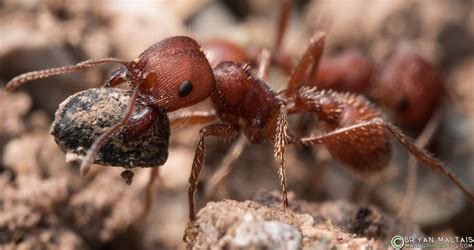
{"x": 256, "y": 233}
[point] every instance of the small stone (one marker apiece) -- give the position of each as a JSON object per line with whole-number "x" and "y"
{"x": 127, "y": 176}
{"x": 84, "y": 116}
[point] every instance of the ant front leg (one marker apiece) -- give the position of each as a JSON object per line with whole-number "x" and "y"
{"x": 225, "y": 131}
{"x": 378, "y": 124}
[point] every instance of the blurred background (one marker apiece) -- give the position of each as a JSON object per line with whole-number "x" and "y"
{"x": 43, "y": 200}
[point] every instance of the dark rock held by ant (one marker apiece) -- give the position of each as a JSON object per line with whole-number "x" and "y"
{"x": 84, "y": 116}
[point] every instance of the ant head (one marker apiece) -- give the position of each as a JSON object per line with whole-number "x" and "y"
{"x": 175, "y": 74}
{"x": 409, "y": 86}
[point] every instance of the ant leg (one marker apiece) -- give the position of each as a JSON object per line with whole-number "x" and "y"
{"x": 192, "y": 118}
{"x": 226, "y": 166}
{"x": 424, "y": 156}
{"x": 311, "y": 58}
{"x": 91, "y": 153}
{"x": 23, "y": 78}
{"x": 282, "y": 23}
{"x": 149, "y": 194}
{"x": 281, "y": 137}
{"x": 224, "y": 131}
{"x": 264, "y": 64}
{"x": 421, "y": 142}
{"x": 379, "y": 124}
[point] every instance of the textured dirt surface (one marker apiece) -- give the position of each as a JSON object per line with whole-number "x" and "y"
{"x": 45, "y": 204}
{"x": 262, "y": 224}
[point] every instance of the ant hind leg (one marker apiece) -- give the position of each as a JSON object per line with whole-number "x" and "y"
{"x": 377, "y": 124}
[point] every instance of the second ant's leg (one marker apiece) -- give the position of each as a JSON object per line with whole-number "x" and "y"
{"x": 282, "y": 23}
{"x": 226, "y": 166}
{"x": 264, "y": 64}
{"x": 421, "y": 142}
{"x": 281, "y": 137}
{"x": 91, "y": 153}
{"x": 224, "y": 131}
{"x": 149, "y": 194}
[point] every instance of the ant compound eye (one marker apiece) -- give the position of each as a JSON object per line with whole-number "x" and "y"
{"x": 402, "y": 104}
{"x": 185, "y": 88}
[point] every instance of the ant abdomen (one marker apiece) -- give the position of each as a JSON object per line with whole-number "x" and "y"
{"x": 364, "y": 149}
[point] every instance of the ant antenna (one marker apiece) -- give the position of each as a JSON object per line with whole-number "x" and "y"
{"x": 23, "y": 78}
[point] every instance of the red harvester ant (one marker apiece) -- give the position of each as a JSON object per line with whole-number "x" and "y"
{"x": 174, "y": 73}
